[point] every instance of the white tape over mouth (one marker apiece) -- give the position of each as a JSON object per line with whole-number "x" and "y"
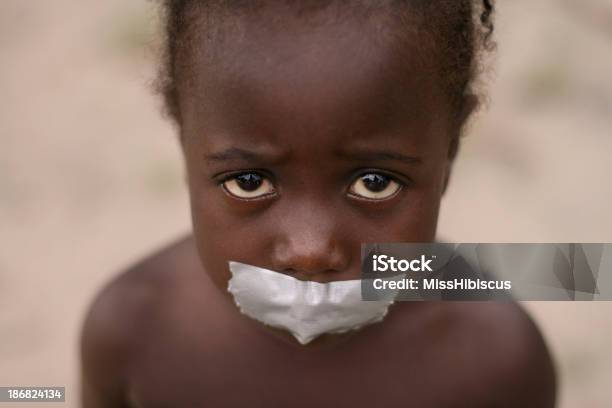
{"x": 306, "y": 309}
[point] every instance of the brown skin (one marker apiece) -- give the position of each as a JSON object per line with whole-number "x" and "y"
{"x": 311, "y": 108}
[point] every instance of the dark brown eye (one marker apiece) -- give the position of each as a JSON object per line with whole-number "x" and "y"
{"x": 248, "y": 185}
{"x": 374, "y": 186}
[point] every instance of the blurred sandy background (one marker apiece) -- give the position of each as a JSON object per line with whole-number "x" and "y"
{"x": 91, "y": 178}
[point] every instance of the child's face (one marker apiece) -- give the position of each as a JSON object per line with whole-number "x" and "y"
{"x": 303, "y": 141}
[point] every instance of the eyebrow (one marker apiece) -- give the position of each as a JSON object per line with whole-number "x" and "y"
{"x": 380, "y": 155}
{"x": 236, "y": 153}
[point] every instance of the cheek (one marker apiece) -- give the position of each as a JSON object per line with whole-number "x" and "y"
{"x": 413, "y": 220}
{"x": 212, "y": 239}
{"x": 225, "y": 230}
{"x": 210, "y": 242}
{"x": 421, "y": 222}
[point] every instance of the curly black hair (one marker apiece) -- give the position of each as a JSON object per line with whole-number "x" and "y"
{"x": 460, "y": 29}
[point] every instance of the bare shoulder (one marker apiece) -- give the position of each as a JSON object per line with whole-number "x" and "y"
{"x": 123, "y": 313}
{"x": 515, "y": 365}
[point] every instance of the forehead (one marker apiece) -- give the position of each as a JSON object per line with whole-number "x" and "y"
{"x": 333, "y": 76}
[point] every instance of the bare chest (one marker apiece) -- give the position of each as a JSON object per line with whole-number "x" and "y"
{"x": 185, "y": 375}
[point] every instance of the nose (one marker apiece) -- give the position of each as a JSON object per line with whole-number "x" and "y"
{"x": 309, "y": 245}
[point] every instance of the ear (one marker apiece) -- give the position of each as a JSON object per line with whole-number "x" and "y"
{"x": 181, "y": 141}
{"x": 447, "y": 176}
{"x": 469, "y": 106}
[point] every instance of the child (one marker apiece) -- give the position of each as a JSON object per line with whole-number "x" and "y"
{"x": 308, "y": 128}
